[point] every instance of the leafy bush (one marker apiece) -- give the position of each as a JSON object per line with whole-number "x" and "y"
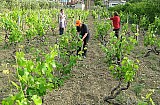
{"x": 149, "y": 8}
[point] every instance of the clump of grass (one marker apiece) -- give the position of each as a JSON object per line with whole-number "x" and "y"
{"x": 137, "y": 88}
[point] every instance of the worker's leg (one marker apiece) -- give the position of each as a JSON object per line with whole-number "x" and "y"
{"x": 61, "y": 31}
{"x": 78, "y": 51}
{"x": 85, "y": 46}
{"x": 116, "y": 32}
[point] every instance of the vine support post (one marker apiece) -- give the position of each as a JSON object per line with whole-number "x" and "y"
{"x": 127, "y": 17}
{"x": 6, "y": 35}
{"x": 137, "y": 30}
{"x": 19, "y": 21}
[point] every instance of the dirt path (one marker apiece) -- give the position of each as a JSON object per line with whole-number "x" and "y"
{"x": 90, "y": 82}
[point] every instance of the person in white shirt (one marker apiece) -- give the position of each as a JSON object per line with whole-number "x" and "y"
{"x": 62, "y": 22}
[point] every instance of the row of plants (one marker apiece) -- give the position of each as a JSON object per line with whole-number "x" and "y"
{"x": 142, "y": 13}
{"x": 28, "y": 4}
{"x": 100, "y": 13}
{"x": 42, "y": 71}
{"x": 149, "y": 8}
{"x": 26, "y": 25}
{"x": 151, "y": 38}
{"x": 136, "y": 24}
{"x": 150, "y": 30}
{"x": 118, "y": 50}
{"x": 20, "y": 25}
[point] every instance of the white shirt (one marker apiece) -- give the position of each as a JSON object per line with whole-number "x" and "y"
{"x": 62, "y": 20}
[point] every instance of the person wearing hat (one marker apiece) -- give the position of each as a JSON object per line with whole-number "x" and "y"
{"x": 84, "y": 34}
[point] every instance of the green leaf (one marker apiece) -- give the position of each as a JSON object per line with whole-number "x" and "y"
{"x": 37, "y": 100}
{"x": 15, "y": 84}
{"x": 9, "y": 100}
{"x": 152, "y": 101}
{"x": 148, "y": 95}
{"x": 142, "y": 103}
{"x": 44, "y": 69}
{"x": 53, "y": 64}
{"x": 111, "y": 67}
{"x": 19, "y": 96}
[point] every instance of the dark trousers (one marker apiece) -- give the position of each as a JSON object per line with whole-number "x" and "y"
{"x": 85, "y": 45}
{"x": 61, "y": 31}
{"x": 118, "y": 53}
{"x": 116, "y": 32}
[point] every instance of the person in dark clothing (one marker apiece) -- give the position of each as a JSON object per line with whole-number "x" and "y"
{"x": 116, "y": 23}
{"x": 84, "y": 34}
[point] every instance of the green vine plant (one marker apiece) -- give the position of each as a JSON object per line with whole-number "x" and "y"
{"x": 37, "y": 24}
{"x": 53, "y": 26}
{"x": 134, "y": 18}
{"x": 102, "y": 29}
{"x": 135, "y": 30}
{"x": 116, "y": 49}
{"x": 124, "y": 17}
{"x": 125, "y": 29}
{"x": 68, "y": 45}
{"x": 123, "y": 69}
{"x": 100, "y": 13}
{"x": 94, "y": 14}
{"x": 34, "y": 79}
{"x": 130, "y": 24}
{"x": 36, "y": 21}
{"x": 44, "y": 72}
{"x": 157, "y": 24}
{"x": 53, "y": 20}
{"x": 125, "y": 74}
{"x": 40, "y": 23}
{"x": 152, "y": 40}
{"x": 111, "y": 49}
{"x": 143, "y": 24}
{"x": 12, "y": 32}
{"x": 147, "y": 99}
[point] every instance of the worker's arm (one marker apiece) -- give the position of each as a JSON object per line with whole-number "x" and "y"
{"x": 112, "y": 18}
{"x": 78, "y": 33}
{"x": 60, "y": 15}
{"x": 85, "y": 31}
{"x": 85, "y": 35}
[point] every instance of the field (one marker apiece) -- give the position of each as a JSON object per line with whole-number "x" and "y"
{"x": 90, "y": 79}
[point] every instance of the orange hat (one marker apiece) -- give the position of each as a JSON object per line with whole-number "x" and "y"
{"x": 78, "y": 22}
